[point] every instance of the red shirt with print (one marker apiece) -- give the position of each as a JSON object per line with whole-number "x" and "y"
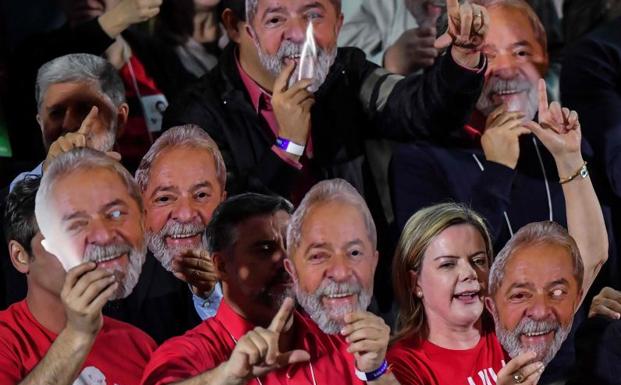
{"x": 425, "y": 363}
{"x": 212, "y": 342}
{"x": 118, "y": 356}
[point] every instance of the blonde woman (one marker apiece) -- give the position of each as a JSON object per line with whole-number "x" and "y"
{"x": 440, "y": 276}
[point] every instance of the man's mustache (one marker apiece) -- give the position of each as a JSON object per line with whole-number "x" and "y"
{"x": 101, "y": 253}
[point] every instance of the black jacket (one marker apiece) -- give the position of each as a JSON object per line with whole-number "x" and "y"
{"x": 160, "y": 305}
{"x": 354, "y": 103}
{"x": 423, "y": 174}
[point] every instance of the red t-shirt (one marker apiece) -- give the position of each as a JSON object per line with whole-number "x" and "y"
{"x": 428, "y": 364}
{"x": 212, "y": 342}
{"x": 117, "y": 357}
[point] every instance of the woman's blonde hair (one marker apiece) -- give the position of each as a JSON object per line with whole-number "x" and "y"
{"x": 418, "y": 233}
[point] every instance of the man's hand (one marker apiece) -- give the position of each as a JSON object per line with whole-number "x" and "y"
{"x": 559, "y": 130}
{"x": 500, "y": 141}
{"x": 196, "y": 268}
{"x": 413, "y": 50}
{"x": 258, "y": 352}
{"x": 367, "y": 335}
{"x": 522, "y": 366}
{"x": 607, "y": 303}
{"x": 80, "y": 138}
{"x": 85, "y": 291}
{"x": 467, "y": 26}
{"x": 292, "y": 107}
{"x": 127, "y": 13}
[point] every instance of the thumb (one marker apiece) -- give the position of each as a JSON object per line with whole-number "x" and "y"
{"x": 443, "y": 41}
{"x": 534, "y": 127}
{"x": 293, "y": 357}
{"x": 87, "y": 123}
{"x": 114, "y": 155}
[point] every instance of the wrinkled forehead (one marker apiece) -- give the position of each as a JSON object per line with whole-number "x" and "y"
{"x": 535, "y": 270}
{"x": 291, "y": 6}
{"x": 89, "y": 191}
{"x": 85, "y": 91}
{"x": 510, "y": 26}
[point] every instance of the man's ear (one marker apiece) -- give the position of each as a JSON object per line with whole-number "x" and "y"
{"x": 40, "y": 121}
{"x": 19, "y": 257}
{"x": 290, "y": 267}
{"x": 122, "y": 114}
{"x": 339, "y": 24}
{"x": 219, "y": 264}
{"x": 231, "y": 25}
{"x": 490, "y": 305}
{"x": 248, "y": 29}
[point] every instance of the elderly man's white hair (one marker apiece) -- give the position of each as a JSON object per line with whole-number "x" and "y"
{"x": 77, "y": 159}
{"x": 81, "y": 67}
{"x": 535, "y": 233}
{"x": 188, "y": 135}
{"x": 331, "y": 190}
{"x": 252, "y": 5}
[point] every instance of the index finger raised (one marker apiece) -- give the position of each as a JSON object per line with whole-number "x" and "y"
{"x": 280, "y": 319}
{"x": 85, "y": 127}
{"x": 543, "y": 97}
{"x": 452, "y": 8}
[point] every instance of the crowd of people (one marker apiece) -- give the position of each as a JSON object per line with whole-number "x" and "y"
{"x": 418, "y": 192}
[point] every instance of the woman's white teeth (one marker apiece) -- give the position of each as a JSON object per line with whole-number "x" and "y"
{"x": 468, "y": 294}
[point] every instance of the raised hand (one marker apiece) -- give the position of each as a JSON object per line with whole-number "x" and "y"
{"x": 81, "y": 138}
{"x": 467, "y": 27}
{"x": 558, "y": 127}
{"x": 258, "y": 352}
{"x": 413, "y": 50}
{"x": 367, "y": 335}
{"x": 292, "y": 106}
{"x": 500, "y": 141}
{"x": 85, "y": 291}
{"x": 521, "y": 370}
{"x": 607, "y": 303}
{"x": 196, "y": 268}
{"x": 127, "y": 13}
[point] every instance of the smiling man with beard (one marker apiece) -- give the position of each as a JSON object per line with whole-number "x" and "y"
{"x": 181, "y": 180}
{"x": 257, "y": 337}
{"x": 332, "y": 243}
{"x": 536, "y": 285}
{"x": 332, "y": 246}
{"x": 497, "y": 168}
{"x": 58, "y": 335}
{"x": 280, "y": 135}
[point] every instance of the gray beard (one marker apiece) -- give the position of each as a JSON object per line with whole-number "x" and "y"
{"x": 510, "y": 339}
{"x": 330, "y": 320}
{"x": 485, "y": 105}
{"x": 273, "y": 63}
{"x": 127, "y": 280}
{"x": 165, "y": 254}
